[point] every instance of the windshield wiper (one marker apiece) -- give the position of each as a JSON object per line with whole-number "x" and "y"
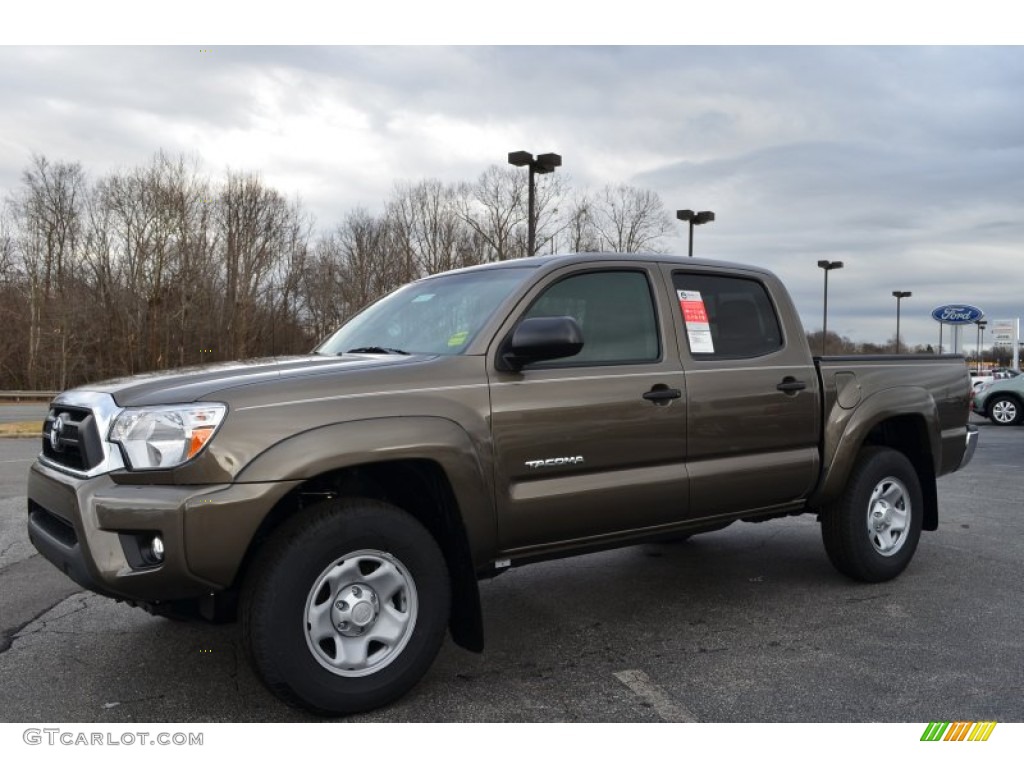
{"x": 378, "y": 351}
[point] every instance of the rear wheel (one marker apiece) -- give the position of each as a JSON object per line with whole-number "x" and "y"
{"x": 871, "y": 532}
{"x": 1004, "y": 411}
{"x": 346, "y": 606}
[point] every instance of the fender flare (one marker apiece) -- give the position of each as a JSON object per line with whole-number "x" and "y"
{"x": 350, "y": 444}
{"x": 853, "y": 428}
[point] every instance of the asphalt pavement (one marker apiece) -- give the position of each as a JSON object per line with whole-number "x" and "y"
{"x": 748, "y": 624}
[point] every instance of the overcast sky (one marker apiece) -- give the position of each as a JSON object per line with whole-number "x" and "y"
{"x": 906, "y": 163}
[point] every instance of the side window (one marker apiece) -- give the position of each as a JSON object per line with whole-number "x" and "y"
{"x": 726, "y": 317}
{"x": 615, "y": 311}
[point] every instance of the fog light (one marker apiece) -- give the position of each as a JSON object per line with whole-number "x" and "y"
{"x": 151, "y": 548}
{"x": 143, "y": 549}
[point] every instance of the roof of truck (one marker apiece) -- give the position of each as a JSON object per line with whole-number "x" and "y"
{"x": 561, "y": 259}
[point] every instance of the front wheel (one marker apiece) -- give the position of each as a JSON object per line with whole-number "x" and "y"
{"x": 346, "y": 606}
{"x": 871, "y": 531}
{"x": 1004, "y": 411}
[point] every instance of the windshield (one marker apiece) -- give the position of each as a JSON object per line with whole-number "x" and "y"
{"x": 436, "y": 316}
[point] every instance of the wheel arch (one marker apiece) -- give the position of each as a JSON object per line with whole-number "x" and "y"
{"x": 427, "y": 466}
{"x": 420, "y": 488}
{"x": 905, "y": 419}
{"x": 910, "y": 436}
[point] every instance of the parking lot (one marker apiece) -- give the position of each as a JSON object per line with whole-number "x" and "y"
{"x": 749, "y": 624}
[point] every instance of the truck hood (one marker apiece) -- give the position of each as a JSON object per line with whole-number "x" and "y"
{"x": 186, "y": 385}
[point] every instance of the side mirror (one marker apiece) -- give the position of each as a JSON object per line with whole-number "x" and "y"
{"x": 542, "y": 338}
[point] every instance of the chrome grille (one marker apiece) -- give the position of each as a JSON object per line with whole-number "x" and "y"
{"x": 75, "y": 431}
{"x": 70, "y": 438}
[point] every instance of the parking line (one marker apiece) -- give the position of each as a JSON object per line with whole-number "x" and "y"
{"x": 667, "y": 709}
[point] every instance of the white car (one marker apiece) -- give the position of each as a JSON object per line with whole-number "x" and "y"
{"x": 980, "y": 380}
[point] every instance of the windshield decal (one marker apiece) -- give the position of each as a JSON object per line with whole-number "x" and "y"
{"x": 458, "y": 339}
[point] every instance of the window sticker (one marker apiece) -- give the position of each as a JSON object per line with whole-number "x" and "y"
{"x": 458, "y": 339}
{"x": 423, "y": 297}
{"x": 695, "y": 318}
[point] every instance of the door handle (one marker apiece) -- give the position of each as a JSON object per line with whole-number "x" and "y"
{"x": 791, "y": 386}
{"x": 661, "y": 394}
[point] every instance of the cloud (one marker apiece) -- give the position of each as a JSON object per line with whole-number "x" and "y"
{"x": 905, "y": 163}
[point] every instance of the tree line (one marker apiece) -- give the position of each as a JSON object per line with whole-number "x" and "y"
{"x": 160, "y": 265}
{"x": 843, "y": 345}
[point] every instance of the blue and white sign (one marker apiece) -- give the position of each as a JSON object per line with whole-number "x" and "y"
{"x": 957, "y": 314}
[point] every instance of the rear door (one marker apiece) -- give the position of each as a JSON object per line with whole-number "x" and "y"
{"x": 753, "y": 394}
{"x": 580, "y": 451}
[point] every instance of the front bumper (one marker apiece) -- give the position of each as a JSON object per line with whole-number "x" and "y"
{"x": 87, "y": 528}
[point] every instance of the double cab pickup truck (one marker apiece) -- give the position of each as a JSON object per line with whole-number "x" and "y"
{"x": 343, "y": 505}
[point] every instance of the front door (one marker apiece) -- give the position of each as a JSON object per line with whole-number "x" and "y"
{"x": 580, "y": 451}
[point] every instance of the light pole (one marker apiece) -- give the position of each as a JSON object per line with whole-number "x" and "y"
{"x": 828, "y": 266}
{"x": 981, "y": 340}
{"x": 900, "y": 295}
{"x": 703, "y": 217}
{"x": 541, "y": 164}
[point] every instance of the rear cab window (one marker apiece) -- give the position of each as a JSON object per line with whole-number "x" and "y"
{"x": 726, "y": 318}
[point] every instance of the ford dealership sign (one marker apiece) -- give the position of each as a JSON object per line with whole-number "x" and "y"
{"x": 957, "y": 314}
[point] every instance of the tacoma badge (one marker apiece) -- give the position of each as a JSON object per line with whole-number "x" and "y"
{"x": 560, "y": 461}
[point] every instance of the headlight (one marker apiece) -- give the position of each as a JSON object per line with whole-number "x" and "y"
{"x": 165, "y": 436}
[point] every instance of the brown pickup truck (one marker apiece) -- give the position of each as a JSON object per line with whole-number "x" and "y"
{"x": 344, "y": 504}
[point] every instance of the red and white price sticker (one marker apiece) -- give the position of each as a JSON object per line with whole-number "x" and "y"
{"x": 695, "y": 317}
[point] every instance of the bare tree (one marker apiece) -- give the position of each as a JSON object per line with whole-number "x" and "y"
{"x": 49, "y": 214}
{"x": 837, "y": 345}
{"x": 550, "y": 196}
{"x": 347, "y": 269}
{"x": 495, "y": 208}
{"x": 283, "y": 300}
{"x": 8, "y": 246}
{"x": 255, "y": 222}
{"x": 366, "y": 274}
{"x": 185, "y": 278}
{"x": 123, "y": 238}
{"x": 179, "y": 257}
{"x": 427, "y": 232}
{"x": 630, "y": 220}
{"x": 156, "y": 266}
{"x": 12, "y": 304}
{"x": 320, "y": 282}
{"x": 104, "y": 286}
{"x": 580, "y": 228}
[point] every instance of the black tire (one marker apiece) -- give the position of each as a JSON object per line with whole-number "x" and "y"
{"x": 351, "y": 550}
{"x": 883, "y": 493}
{"x": 1004, "y": 410}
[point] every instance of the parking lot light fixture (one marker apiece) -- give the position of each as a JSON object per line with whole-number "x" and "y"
{"x": 545, "y": 163}
{"x": 702, "y": 217}
{"x": 900, "y": 295}
{"x": 828, "y": 266}
{"x": 981, "y": 342}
